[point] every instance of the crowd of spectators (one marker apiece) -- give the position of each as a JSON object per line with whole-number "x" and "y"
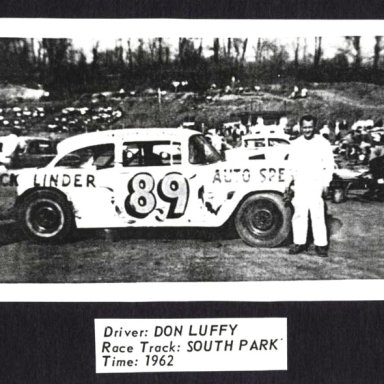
{"x": 69, "y": 119}
{"x": 359, "y": 143}
{"x": 83, "y": 119}
{"x": 22, "y": 117}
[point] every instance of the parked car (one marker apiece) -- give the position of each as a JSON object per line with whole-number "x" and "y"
{"x": 151, "y": 178}
{"x": 260, "y": 147}
{"x": 34, "y": 152}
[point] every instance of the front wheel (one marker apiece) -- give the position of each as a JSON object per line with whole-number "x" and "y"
{"x": 45, "y": 217}
{"x": 263, "y": 220}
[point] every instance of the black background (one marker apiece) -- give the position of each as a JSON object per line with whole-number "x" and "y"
{"x": 230, "y": 9}
{"x": 328, "y": 342}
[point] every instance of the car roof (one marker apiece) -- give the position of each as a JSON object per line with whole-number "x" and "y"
{"x": 104, "y": 137}
{"x": 28, "y": 138}
{"x": 265, "y": 136}
{"x": 33, "y": 138}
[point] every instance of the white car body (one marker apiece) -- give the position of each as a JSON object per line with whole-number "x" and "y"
{"x": 124, "y": 192}
{"x": 258, "y": 146}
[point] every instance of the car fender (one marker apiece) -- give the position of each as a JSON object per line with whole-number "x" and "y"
{"x": 229, "y": 183}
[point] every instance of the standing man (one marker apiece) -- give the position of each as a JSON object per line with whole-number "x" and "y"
{"x": 311, "y": 166}
{"x": 9, "y": 146}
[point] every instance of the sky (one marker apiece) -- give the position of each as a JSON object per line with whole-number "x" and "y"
{"x": 85, "y": 32}
{"x": 330, "y": 45}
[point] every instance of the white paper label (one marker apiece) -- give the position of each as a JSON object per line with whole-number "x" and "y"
{"x": 176, "y": 345}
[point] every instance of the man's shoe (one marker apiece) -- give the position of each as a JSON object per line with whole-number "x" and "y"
{"x": 321, "y": 251}
{"x": 297, "y": 248}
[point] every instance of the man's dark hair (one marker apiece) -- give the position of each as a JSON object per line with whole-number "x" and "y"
{"x": 308, "y": 118}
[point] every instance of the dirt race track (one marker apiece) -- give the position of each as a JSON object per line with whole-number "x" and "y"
{"x": 153, "y": 255}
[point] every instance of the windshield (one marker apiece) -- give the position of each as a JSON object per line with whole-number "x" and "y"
{"x": 201, "y": 151}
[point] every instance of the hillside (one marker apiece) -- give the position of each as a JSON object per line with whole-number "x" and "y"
{"x": 350, "y": 101}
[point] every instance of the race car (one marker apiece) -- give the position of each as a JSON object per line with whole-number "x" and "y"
{"x": 151, "y": 177}
{"x": 261, "y": 146}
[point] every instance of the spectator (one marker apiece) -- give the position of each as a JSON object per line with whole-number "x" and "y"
{"x": 304, "y": 93}
{"x": 325, "y": 131}
{"x": 377, "y": 149}
{"x": 10, "y": 144}
{"x": 376, "y": 168}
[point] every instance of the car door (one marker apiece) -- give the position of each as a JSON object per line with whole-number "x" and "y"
{"x": 151, "y": 188}
{"x": 86, "y": 177}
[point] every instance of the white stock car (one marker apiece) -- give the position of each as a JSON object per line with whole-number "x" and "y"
{"x": 151, "y": 177}
{"x": 261, "y": 146}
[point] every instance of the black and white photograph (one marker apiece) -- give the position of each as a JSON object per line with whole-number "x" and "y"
{"x": 191, "y": 201}
{"x": 171, "y": 159}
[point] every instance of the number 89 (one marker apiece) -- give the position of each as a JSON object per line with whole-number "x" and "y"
{"x": 141, "y": 201}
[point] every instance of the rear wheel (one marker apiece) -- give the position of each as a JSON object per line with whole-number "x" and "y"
{"x": 263, "y": 220}
{"x": 46, "y": 217}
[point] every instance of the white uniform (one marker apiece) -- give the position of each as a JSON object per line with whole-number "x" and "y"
{"x": 8, "y": 147}
{"x": 311, "y": 165}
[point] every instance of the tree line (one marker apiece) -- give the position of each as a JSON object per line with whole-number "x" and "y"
{"x": 137, "y": 64}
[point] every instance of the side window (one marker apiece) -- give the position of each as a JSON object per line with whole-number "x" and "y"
{"x": 170, "y": 153}
{"x": 40, "y": 148}
{"x": 95, "y": 156}
{"x": 259, "y": 143}
{"x": 132, "y": 156}
{"x": 151, "y": 153}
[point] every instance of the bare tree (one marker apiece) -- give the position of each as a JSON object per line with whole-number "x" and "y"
{"x": 297, "y": 49}
{"x": 376, "y": 52}
{"x": 152, "y": 48}
{"x": 318, "y": 51}
{"x": 305, "y": 50}
{"x": 160, "y": 50}
{"x": 258, "y": 50}
{"x": 216, "y": 50}
{"x": 140, "y": 53}
{"x": 181, "y": 46}
{"x": 355, "y": 42}
{"x": 200, "y": 49}
{"x": 33, "y": 53}
{"x": 95, "y": 54}
{"x": 245, "y": 43}
{"x": 129, "y": 55}
{"x": 236, "y": 45}
{"x": 167, "y": 55}
{"x": 187, "y": 50}
{"x": 229, "y": 47}
{"x": 41, "y": 54}
{"x": 119, "y": 51}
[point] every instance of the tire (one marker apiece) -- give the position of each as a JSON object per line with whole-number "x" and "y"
{"x": 263, "y": 220}
{"x": 45, "y": 217}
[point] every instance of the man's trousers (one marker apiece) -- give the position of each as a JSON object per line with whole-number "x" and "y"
{"x": 308, "y": 200}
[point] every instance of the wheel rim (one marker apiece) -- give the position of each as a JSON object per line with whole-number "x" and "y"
{"x": 262, "y": 218}
{"x": 45, "y": 218}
